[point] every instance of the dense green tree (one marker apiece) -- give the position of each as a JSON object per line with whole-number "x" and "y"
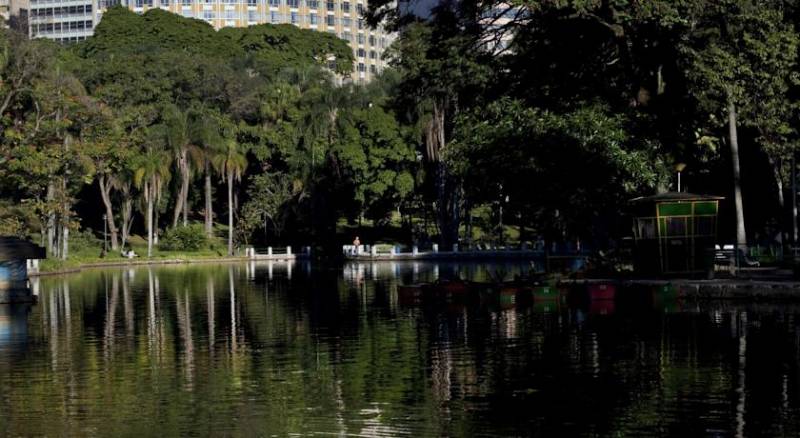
{"x": 741, "y": 59}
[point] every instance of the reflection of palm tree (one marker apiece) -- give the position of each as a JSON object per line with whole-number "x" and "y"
{"x": 111, "y": 316}
{"x": 128, "y": 303}
{"x": 210, "y": 310}
{"x": 152, "y": 172}
{"x": 233, "y": 310}
{"x": 230, "y": 162}
{"x": 151, "y": 311}
{"x": 184, "y": 316}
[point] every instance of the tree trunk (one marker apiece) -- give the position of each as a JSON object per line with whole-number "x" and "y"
{"x": 105, "y": 193}
{"x": 185, "y": 191}
{"x": 65, "y": 240}
{"x": 741, "y": 236}
{"x": 51, "y": 220}
{"x": 186, "y": 201}
{"x": 448, "y": 189}
{"x": 794, "y": 200}
{"x": 127, "y": 219}
{"x": 209, "y": 218}
{"x": 448, "y": 207}
{"x": 65, "y": 206}
{"x": 230, "y": 213}
{"x": 149, "y": 199}
{"x": 776, "y": 172}
{"x": 155, "y": 220}
{"x": 179, "y": 203}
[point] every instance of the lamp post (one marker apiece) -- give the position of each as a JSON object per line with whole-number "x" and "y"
{"x": 679, "y": 168}
{"x": 105, "y": 231}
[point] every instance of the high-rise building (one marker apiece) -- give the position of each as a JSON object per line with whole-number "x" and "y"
{"x": 499, "y": 25}
{"x": 61, "y": 20}
{"x": 340, "y": 17}
{"x": 74, "y": 20}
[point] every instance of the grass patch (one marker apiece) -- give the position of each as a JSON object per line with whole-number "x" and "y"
{"x": 91, "y": 252}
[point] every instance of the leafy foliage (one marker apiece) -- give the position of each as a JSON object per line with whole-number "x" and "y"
{"x": 188, "y": 238}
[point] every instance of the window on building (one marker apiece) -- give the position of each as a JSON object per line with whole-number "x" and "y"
{"x": 360, "y": 24}
{"x": 187, "y": 3}
{"x": 362, "y": 67}
{"x": 293, "y": 3}
{"x": 347, "y": 36}
{"x": 372, "y": 40}
{"x": 252, "y": 15}
{"x": 164, "y": 2}
{"x": 361, "y": 38}
{"x": 362, "y": 53}
{"x": 372, "y": 54}
{"x": 346, "y": 7}
{"x": 360, "y": 9}
{"x": 330, "y": 20}
{"x": 252, "y": 2}
{"x": 330, "y": 5}
{"x": 373, "y": 69}
{"x": 383, "y": 42}
{"x": 187, "y": 13}
{"x": 312, "y": 4}
{"x": 208, "y": 15}
{"x": 274, "y": 17}
{"x": 274, "y": 2}
{"x": 294, "y": 18}
{"x": 347, "y": 22}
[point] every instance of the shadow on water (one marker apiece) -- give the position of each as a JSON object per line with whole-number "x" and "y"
{"x": 258, "y": 349}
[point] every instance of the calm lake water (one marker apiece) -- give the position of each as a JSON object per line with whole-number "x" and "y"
{"x": 261, "y": 350}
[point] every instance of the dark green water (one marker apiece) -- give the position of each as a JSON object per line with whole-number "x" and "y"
{"x": 242, "y": 350}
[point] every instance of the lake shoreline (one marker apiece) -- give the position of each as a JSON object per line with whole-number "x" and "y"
{"x": 143, "y": 262}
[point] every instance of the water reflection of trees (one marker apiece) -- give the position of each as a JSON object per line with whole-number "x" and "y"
{"x": 241, "y": 349}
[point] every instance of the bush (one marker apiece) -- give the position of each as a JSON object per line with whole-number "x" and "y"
{"x": 188, "y": 238}
{"x": 85, "y": 240}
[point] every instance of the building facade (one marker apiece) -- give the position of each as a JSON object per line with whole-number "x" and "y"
{"x": 74, "y": 20}
{"x": 499, "y": 26}
{"x": 5, "y": 12}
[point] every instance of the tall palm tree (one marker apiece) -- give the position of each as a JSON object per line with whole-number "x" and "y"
{"x": 178, "y": 136}
{"x": 151, "y": 172}
{"x": 230, "y": 162}
{"x": 123, "y": 182}
{"x": 206, "y": 144}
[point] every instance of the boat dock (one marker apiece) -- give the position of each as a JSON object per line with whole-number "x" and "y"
{"x": 277, "y": 254}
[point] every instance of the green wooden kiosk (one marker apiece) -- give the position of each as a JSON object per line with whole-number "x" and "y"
{"x": 674, "y": 234}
